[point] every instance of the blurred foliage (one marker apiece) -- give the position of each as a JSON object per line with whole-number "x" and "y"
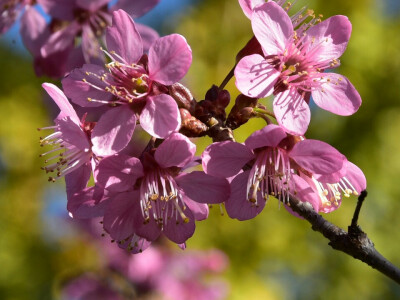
{"x": 274, "y": 256}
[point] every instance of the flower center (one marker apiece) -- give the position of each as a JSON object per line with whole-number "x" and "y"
{"x": 331, "y": 193}
{"x": 126, "y": 82}
{"x": 160, "y": 198}
{"x": 269, "y": 175}
{"x": 66, "y": 157}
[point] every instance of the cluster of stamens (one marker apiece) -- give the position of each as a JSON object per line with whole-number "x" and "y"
{"x": 269, "y": 175}
{"x": 66, "y": 158}
{"x": 161, "y": 200}
{"x": 331, "y": 193}
{"x": 127, "y": 82}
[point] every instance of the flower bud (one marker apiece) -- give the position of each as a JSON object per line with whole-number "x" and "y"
{"x": 241, "y": 112}
{"x": 191, "y": 127}
{"x": 182, "y": 96}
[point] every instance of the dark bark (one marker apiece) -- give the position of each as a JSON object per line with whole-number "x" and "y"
{"x": 355, "y": 242}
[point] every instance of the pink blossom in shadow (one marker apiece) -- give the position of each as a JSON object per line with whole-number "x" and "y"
{"x": 10, "y": 10}
{"x": 77, "y": 145}
{"x": 86, "y": 22}
{"x": 293, "y": 66}
{"x": 90, "y": 286}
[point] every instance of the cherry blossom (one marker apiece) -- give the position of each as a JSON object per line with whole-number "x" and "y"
{"x": 87, "y": 20}
{"x": 293, "y": 67}
{"x": 77, "y": 143}
{"x": 159, "y": 197}
{"x": 133, "y": 82}
{"x": 270, "y": 157}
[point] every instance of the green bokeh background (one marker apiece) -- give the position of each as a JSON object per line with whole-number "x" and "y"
{"x": 274, "y": 256}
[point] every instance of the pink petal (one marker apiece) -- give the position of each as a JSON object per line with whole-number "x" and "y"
{"x": 270, "y": 136}
{"x": 73, "y": 134}
{"x": 62, "y": 102}
{"x": 255, "y": 77}
{"x": 113, "y": 131}
{"x": 61, "y": 40}
{"x": 149, "y": 230}
{"x": 292, "y": 112}
{"x": 317, "y": 157}
{"x": 134, "y": 245}
{"x": 148, "y": 34}
{"x": 225, "y": 159}
{"x": 160, "y": 117}
{"x": 123, "y": 38}
{"x": 54, "y": 65}
{"x": 180, "y": 232}
{"x": 203, "y": 188}
{"x": 87, "y": 204}
{"x": 91, "y": 5}
{"x": 337, "y": 95}
{"x": 75, "y": 59}
{"x": 237, "y": 206}
{"x": 79, "y": 91}
{"x": 60, "y": 9}
{"x": 118, "y": 173}
{"x": 76, "y": 181}
{"x": 199, "y": 210}
{"x": 119, "y": 218}
{"x": 328, "y": 39}
{"x": 272, "y": 27}
{"x": 175, "y": 151}
{"x": 136, "y": 8}
{"x": 169, "y": 59}
{"x": 304, "y": 193}
{"x": 248, "y": 6}
{"x": 333, "y": 177}
{"x": 356, "y": 177}
{"x": 33, "y": 30}
{"x": 90, "y": 45}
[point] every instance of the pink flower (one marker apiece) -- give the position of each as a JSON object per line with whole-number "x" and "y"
{"x": 87, "y": 20}
{"x": 78, "y": 144}
{"x": 163, "y": 198}
{"x": 90, "y": 286}
{"x": 10, "y": 10}
{"x": 35, "y": 32}
{"x": 133, "y": 82}
{"x": 293, "y": 66}
{"x": 271, "y": 157}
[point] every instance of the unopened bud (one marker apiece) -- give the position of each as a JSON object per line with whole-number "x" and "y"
{"x": 185, "y": 114}
{"x": 241, "y": 112}
{"x": 182, "y": 96}
{"x": 191, "y": 126}
{"x": 223, "y": 99}
{"x": 212, "y": 93}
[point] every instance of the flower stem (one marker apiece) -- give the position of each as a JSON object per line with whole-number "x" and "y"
{"x": 265, "y": 112}
{"x": 227, "y": 78}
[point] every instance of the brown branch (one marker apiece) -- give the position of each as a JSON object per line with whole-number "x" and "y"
{"x": 355, "y": 242}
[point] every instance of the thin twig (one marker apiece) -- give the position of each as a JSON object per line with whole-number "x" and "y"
{"x": 360, "y": 201}
{"x": 227, "y": 78}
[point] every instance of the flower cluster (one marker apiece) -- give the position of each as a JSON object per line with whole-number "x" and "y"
{"x": 75, "y": 33}
{"x": 159, "y": 272}
{"x": 161, "y": 189}
{"x": 138, "y": 197}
